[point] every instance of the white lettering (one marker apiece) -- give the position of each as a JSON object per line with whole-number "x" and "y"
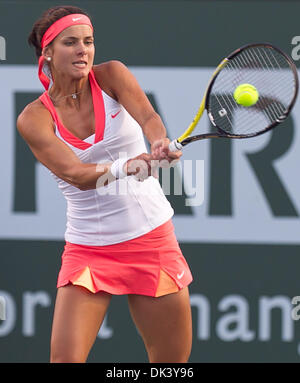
{"x": 295, "y": 315}
{"x": 266, "y": 305}
{"x": 30, "y": 302}
{"x": 296, "y": 50}
{"x": 240, "y": 318}
{"x": 7, "y": 326}
{"x": 2, "y": 48}
{"x": 189, "y": 174}
{"x": 203, "y": 320}
{"x": 105, "y": 331}
{"x": 2, "y": 308}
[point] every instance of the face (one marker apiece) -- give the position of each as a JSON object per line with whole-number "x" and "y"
{"x": 72, "y": 51}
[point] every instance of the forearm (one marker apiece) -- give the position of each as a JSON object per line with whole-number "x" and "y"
{"x": 94, "y": 176}
{"x": 91, "y": 176}
{"x": 154, "y": 128}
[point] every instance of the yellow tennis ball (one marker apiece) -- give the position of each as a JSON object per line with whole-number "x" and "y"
{"x": 246, "y": 95}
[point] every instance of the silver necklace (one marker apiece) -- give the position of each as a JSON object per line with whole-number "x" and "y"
{"x": 73, "y": 95}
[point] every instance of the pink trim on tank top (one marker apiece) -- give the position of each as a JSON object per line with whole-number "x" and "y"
{"x": 99, "y": 111}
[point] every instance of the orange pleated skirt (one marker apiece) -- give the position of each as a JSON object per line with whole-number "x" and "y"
{"x": 151, "y": 264}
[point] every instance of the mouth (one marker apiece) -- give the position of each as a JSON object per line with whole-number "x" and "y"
{"x": 80, "y": 64}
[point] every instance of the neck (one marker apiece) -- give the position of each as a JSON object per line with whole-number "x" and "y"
{"x": 66, "y": 91}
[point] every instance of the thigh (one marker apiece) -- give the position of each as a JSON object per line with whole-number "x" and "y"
{"x": 165, "y": 324}
{"x": 78, "y": 315}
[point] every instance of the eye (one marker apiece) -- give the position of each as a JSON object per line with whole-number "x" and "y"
{"x": 89, "y": 42}
{"x": 69, "y": 43}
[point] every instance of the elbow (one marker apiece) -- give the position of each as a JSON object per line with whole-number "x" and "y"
{"x": 74, "y": 181}
{"x": 80, "y": 184}
{"x": 84, "y": 187}
{"x": 84, "y": 176}
{"x": 74, "y": 178}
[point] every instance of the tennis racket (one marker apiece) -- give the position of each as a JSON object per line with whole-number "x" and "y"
{"x": 274, "y": 76}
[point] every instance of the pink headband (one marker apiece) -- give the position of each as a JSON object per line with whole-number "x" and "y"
{"x": 54, "y": 30}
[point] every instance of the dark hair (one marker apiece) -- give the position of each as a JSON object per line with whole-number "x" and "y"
{"x": 46, "y": 20}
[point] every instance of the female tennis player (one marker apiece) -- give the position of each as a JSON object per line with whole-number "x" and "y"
{"x": 89, "y": 125}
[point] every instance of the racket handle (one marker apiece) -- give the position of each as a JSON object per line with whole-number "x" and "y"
{"x": 174, "y": 146}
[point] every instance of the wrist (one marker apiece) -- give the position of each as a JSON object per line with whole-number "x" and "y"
{"x": 117, "y": 168}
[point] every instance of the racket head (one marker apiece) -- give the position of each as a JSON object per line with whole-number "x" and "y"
{"x": 274, "y": 75}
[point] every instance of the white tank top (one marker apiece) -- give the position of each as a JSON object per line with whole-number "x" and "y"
{"x": 124, "y": 209}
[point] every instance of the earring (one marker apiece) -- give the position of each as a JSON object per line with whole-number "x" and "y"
{"x": 48, "y": 58}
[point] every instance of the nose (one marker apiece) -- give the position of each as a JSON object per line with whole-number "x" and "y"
{"x": 81, "y": 48}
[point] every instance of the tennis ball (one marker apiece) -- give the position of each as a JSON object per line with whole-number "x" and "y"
{"x": 246, "y": 95}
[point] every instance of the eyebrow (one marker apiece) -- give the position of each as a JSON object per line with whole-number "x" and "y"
{"x": 76, "y": 38}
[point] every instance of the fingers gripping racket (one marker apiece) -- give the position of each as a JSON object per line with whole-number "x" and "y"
{"x": 251, "y": 91}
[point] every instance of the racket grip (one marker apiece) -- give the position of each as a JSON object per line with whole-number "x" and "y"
{"x": 174, "y": 146}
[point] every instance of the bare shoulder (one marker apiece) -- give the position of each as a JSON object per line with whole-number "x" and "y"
{"x": 33, "y": 116}
{"x": 111, "y": 74}
{"x": 109, "y": 68}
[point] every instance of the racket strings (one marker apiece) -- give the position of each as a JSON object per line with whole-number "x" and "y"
{"x": 270, "y": 73}
{"x": 272, "y": 110}
{"x": 270, "y": 106}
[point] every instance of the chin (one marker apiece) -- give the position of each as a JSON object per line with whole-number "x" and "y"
{"x": 78, "y": 74}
